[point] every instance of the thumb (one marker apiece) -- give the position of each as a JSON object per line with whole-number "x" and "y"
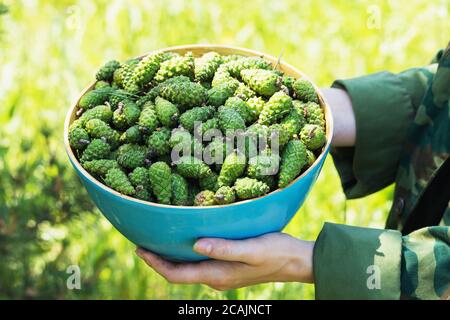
{"x": 247, "y": 251}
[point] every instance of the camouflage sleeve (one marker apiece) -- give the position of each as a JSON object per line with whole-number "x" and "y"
{"x": 425, "y": 268}
{"x": 364, "y": 263}
{"x": 384, "y": 105}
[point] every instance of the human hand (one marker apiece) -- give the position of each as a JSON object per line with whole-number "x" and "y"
{"x": 274, "y": 257}
{"x": 344, "y": 133}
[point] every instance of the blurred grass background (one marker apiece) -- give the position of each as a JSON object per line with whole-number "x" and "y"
{"x": 49, "y": 51}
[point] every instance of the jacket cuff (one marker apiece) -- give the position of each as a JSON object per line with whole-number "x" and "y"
{"x": 357, "y": 263}
{"x": 383, "y": 112}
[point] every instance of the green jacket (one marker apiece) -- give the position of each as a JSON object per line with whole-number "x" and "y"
{"x": 402, "y": 136}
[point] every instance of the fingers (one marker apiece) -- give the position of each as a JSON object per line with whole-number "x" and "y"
{"x": 236, "y": 263}
{"x": 250, "y": 251}
{"x": 188, "y": 273}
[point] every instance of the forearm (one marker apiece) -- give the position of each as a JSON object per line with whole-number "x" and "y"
{"x": 344, "y": 133}
{"x": 299, "y": 261}
{"x": 372, "y": 115}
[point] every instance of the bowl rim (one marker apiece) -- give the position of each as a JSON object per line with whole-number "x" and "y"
{"x": 207, "y": 47}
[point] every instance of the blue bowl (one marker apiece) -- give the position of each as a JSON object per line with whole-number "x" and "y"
{"x": 171, "y": 231}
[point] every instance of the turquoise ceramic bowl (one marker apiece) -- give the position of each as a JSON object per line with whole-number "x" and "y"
{"x": 171, "y": 231}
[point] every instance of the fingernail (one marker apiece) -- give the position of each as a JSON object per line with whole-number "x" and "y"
{"x": 203, "y": 246}
{"x": 139, "y": 252}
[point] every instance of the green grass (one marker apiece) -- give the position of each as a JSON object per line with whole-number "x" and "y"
{"x": 50, "y": 51}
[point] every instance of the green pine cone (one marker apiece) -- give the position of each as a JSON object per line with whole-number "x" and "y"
{"x": 209, "y": 182}
{"x": 76, "y": 124}
{"x": 158, "y": 142}
{"x": 142, "y": 194}
{"x": 100, "y": 129}
{"x": 216, "y": 96}
{"x": 94, "y": 98}
{"x": 182, "y": 92}
{"x": 206, "y": 126}
{"x": 231, "y": 57}
{"x": 244, "y": 92}
{"x": 191, "y": 167}
{"x": 294, "y": 121}
{"x": 180, "y": 137}
{"x": 139, "y": 177}
{"x": 180, "y": 190}
{"x": 97, "y": 149}
{"x": 279, "y": 105}
{"x": 305, "y": 91}
{"x": 233, "y": 167}
{"x": 132, "y": 88}
{"x": 161, "y": 181}
{"x": 118, "y": 96}
{"x": 146, "y": 69}
{"x": 247, "y": 188}
{"x": 288, "y": 82}
{"x": 221, "y": 76}
{"x": 314, "y": 114}
{"x": 263, "y": 165}
{"x": 131, "y": 135}
{"x": 101, "y": 112}
{"x": 118, "y": 180}
{"x": 156, "y": 90}
{"x": 197, "y": 114}
{"x": 146, "y": 99}
{"x": 279, "y": 132}
{"x": 167, "y": 112}
{"x": 184, "y": 142}
{"x": 126, "y": 115}
{"x": 310, "y": 158}
{"x": 256, "y": 104}
{"x": 205, "y": 198}
{"x": 102, "y": 84}
{"x": 176, "y": 66}
{"x": 124, "y": 73}
{"x": 148, "y": 119}
{"x": 100, "y": 167}
{"x": 263, "y": 82}
{"x": 78, "y": 138}
{"x": 249, "y": 146}
{"x": 131, "y": 112}
{"x": 217, "y": 150}
{"x": 230, "y": 119}
{"x": 169, "y": 55}
{"x": 106, "y": 72}
{"x": 131, "y": 156}
{"x": 129, "y": 80}
{"x": 259, "y": 131}
{"x": 119, "y": 121}
{"x": 235, "y": 67}
{"x": 118, "y": 77}
{"x": 257, "y": 137}
{"x": 242, "y": 108}
{"x": 206, "y": 66}
{"x": 293, "y": 159}
{"x": 225, "y": 195}
{"x": 313, "y": 136}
